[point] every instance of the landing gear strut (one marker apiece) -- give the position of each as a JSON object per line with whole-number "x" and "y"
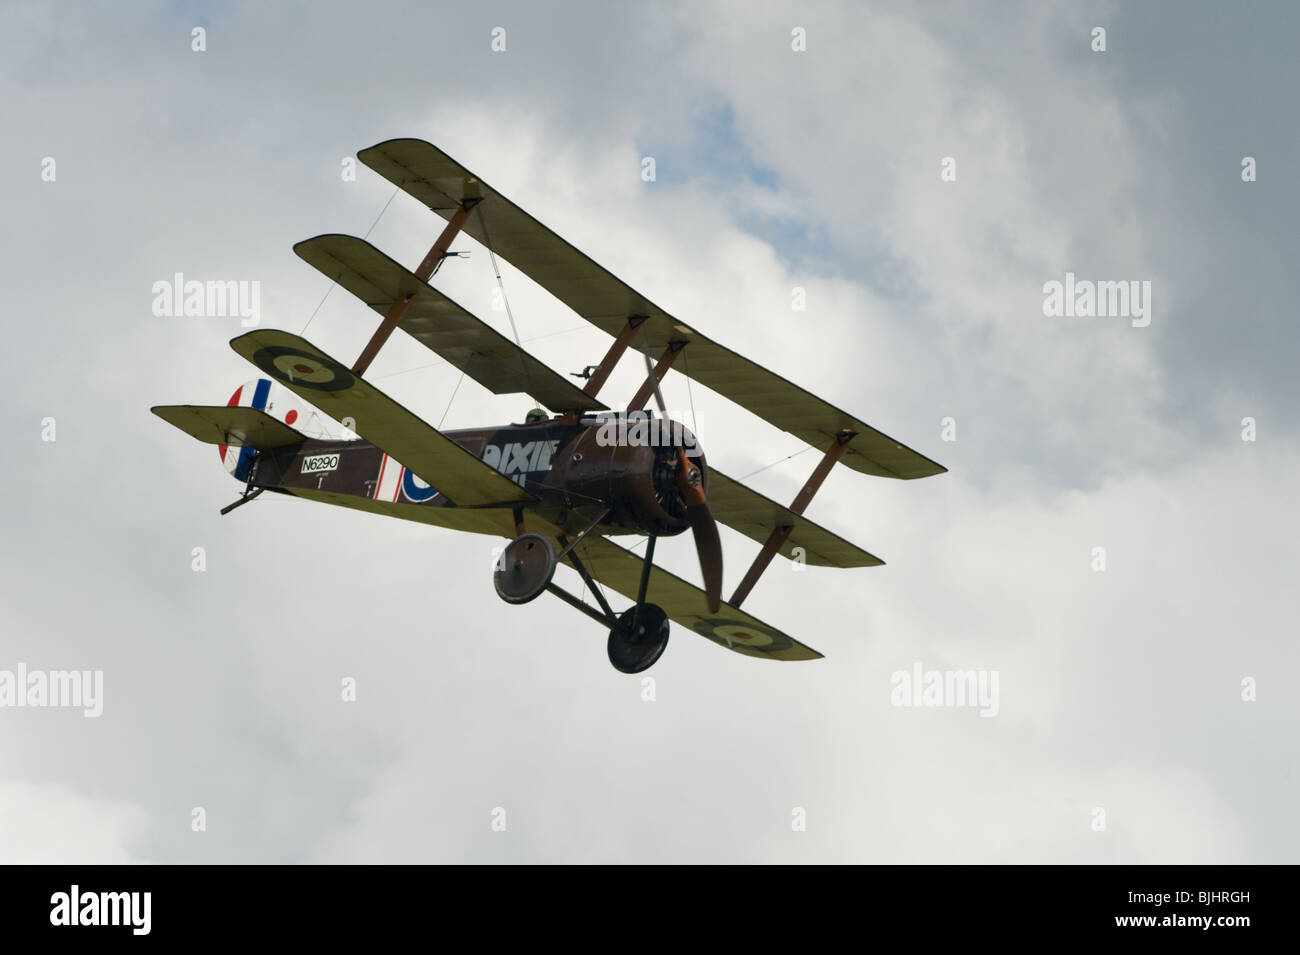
{"x": 637, "y": 636}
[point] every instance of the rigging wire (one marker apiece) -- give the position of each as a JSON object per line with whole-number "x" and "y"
{"x": 523, "y": 359}
{"x": 450, "y": 400}
{"x": 505, "y": 299}
{"x": 436, "y": 364}
{"x": 334, "y": 282}
{"x": 686, "y": 372}
{"x": 774, "y": 464}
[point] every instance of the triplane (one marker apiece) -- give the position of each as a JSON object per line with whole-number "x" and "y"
{"x": 556, "y": 484}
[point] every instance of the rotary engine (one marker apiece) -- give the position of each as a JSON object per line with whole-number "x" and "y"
{"x": 632, "y": 462}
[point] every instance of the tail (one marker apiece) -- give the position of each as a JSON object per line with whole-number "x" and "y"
{"x": 259, "y": 416}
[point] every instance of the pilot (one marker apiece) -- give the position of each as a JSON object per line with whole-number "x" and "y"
{"x": 536, "y": 416}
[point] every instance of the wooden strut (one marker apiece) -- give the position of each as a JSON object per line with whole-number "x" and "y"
{"x": 598, "y": 378}
{"x": 780, "y": 534}
{"x": 399, "y": 306}
{"x": 661, "y": 368}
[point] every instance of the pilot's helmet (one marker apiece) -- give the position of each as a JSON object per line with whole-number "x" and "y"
{"x": 536, "y": 415}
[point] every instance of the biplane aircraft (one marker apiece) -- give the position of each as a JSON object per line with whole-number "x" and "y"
{"x": 555, "y": 485}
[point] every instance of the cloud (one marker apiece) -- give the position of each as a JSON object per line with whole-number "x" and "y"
{"x": 1120, "y": 689}
{"x": 45, "y": 824}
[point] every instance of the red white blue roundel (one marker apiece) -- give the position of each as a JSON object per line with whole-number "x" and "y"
{"x": 415, "y": 490}
{"x": 252, "y": 394}
{"x": 282, "y": 405}
{"x": 395, "y": 482}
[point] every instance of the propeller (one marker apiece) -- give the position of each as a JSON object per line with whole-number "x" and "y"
{"x": 707, "y": 543}
{"x": 690, "y": 482}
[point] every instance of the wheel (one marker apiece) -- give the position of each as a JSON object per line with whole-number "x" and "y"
{"x": 632, "y": 652}
{"x": 524, "y": 569}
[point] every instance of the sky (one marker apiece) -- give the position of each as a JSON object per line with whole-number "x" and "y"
{"x": 1114, "y": 544}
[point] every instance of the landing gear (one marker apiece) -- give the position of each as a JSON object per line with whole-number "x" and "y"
{"x": 639, "y": 639}
{"x": 525, "y": 568}
{"x": 642, "y": 632}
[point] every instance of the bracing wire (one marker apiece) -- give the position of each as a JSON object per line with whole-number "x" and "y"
{"x": 436, "y": 364}
{"x": 774, "y": 464}
{"x": 334, "y": 282}
{"x": 690, "y": 396}
{"x": 523, "y": 359}
{"x": 460, "y": 382}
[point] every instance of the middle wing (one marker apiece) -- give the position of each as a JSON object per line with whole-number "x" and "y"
{"x": 317, "y": 378}
{"x": 756, "y": 516}
{"x": 439, "y": 324}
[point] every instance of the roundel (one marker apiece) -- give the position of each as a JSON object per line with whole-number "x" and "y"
{"x": 413, "y": 489}
{"x": 303, "y": 369}
{"x": 253, "y": 394}
{"x": 733, "y": 633}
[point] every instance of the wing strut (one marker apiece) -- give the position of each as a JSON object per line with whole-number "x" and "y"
{"x": 602, "y": 372}
{"x": 657, "y": 375}
{"x": 801, "y": 501}
{"x": 430, "y": 265}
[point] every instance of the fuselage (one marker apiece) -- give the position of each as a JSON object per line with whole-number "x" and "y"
{"x": 578, "y": 471}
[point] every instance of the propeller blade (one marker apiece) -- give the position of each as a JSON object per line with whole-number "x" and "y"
{"x": 709, "y": 547}
{"x": 690, "y": 481}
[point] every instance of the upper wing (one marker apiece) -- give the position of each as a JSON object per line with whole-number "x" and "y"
{"x": 686, "y": 604}
{"x": 435, "y": 458}
{"x": 442, "y": 184}
{"x": 757, "y": 516}
{"x": 441, "y": 325}
{"x": 229, "y": 424}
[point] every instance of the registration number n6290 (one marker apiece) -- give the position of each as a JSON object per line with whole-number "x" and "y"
{"x": 320, "y": 462}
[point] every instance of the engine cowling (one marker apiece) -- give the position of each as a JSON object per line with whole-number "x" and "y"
{"x": 631, "y": 464}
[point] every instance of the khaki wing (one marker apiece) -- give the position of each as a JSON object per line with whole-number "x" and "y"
{"x": 685, "y": 603}
{"x": 497, "y": 521}
{"x": 316, "y": 377}
{"x": 441, "y": 325}
{"x": 757, "y": 516}
{"x": 610, "y": 564}
{"x": 442, "y": 184}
